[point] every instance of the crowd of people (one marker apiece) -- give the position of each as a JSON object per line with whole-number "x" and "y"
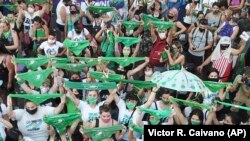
{"x": 81, "y": 70}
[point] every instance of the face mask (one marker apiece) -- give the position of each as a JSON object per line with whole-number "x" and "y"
{"x": 92, "y": 100}
{"x": 30, "y": 10}
{"x": 78, "y": 31}
{"x": 32, "y": 112}
{"x": 165, "y": 101}
{"x": 235, "y": 19}
{"x": 175, "y": 51}
{"x": 130, "y": 32}
{"x": 213, "y": 79}
{"x": 170, "y": 17}
{"x": 162, "y": 35}
{"x": 154, "y": 122}
{"x": 201, "y": 29}
{"x": 148, "y": 73}
{"x": 195, "y": 122}
{"x": 72, "y": 12}
{"x": 216, "y": 11}
{"x": 44, "y": 90}
{"x": 106, "y": 120}
{"x": 126, "y": 53}
{"x": 51, "y": 41}
{"x": 224, "y": 47}
{"x": 130, "y": 105}
{"x": 156, "y": 14}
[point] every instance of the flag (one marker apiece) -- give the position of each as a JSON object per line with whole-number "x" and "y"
{"x": 123, "y": 61}
{"x": 36, "y": 98}
{"x": 157, "y": 113}
{"x": 162, "y": 25}
{"x": 93, "y": 61}
{"x": 105, "y": 76}
{"x": 100, "y": 9}
{"x": 128, "y": 41}
{"x": 147, "y": 19}
{"x": 76, "y": 46}
{"x": 130, "y": 25}
{"x": 31, "y": 63}
{"x": 35, "y": 1}
{"x": 61, "y": 121}
{"x": 215, "y": 86}
{"x": 36, "y": 78}
{"x": 71, "y": 67}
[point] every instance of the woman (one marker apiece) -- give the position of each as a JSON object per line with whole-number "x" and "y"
{"x": 236, "y": 5}
{"x": 191, "y": 12}
{"x": 174, "y": 56}
{"x": 6, "y": 72}
{"x": 106, "y": 120}
{"x": 156, "y": 10}
{"x": 9, "y": 37}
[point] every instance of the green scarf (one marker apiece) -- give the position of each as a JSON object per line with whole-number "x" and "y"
{"x": 71, "y": 67}
{"x": 100, "y": 9}
{"x": 162, "y": 25}
{"x": 105, "y": 77}
{"x": 215, "y": 86}
{"x": 147, "y": 19}
{"x": 233, "y": 105}
{"x": 90, "y": 86}
{"x": 93, "y": 61}
{"x": 123, "y": 61}
{"x": 128, "y": 41}
{"x": 107, "y": 45}
{"x": 31, "y": 63}
{"x": 76, "y": 46}
{"x": 35, "y": 1}
{"x": 130, "y": 25}
{"x": 157, "y": 113}
{"x": 9, "y": 7}
{"x": 138, "y": 129}
{"x": 55, "y": 59}
{"x": 191, "y": 103}
{"x": 61, "y": 121}
{"x": 37, "y": 98}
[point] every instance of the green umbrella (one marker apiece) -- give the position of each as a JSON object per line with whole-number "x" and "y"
{"x": 162, "y": 25}
{"x": 102, "y": 76}
{"x": 31, "y": 63}
{"x": 191, "y": 103}
{"x": 61, "y": 121}
{"x": 36, "y": 98}
{"x": 215, "y": 86}
{"x": 128, "y": 41}
{"x": 76, "y": 46}
{"x": 157, "y": 113}
{"x": 147, "y": 19}
{"x": 101, "y": 133}
{"x": 71, "y": 67}
{"x": 123, "y": 61}
{"x": 100, "y": 9}
{"x": 130, "y": 25}
{"x": 90, "y": 86}
{"x": 233, "y": 105}
{"x": 180, "y": 80}
{"x": 36, "y": 78}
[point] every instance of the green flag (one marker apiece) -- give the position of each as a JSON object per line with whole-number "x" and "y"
{"x": 123, "y": 61}
{"x": 162, "y": 25}
{"x": 36, "y": 98}
{"x": 36, "y": 78}
{"x": 76, "y": 46}
{"x": 128, "y": 41}
{"x": 233, "y": 105}
{"x": 93, "y": 61}
{"x": 61, "y": 121}
{"x": 157, "y": 113}
{"x": 101, "y": 133}
{"x": 55, "y": 59}
{"x": 138, "y": 129}
{"x": 40, "y": 33}
{"x": 100, "y": 9}
{"x": 140, "y": 84}
{"x": 90, "y": 86}
{"x": 191, "y": 103}
{"x": 31, "y": 63}
{"x": 9, "y": 7}
{"x": 35, "y": 1}
{"x": 147, "y": 19}
{"x": 215, "y": 86}
{"x": 103, "y": 76}
{"x": 130, "y": 25}
{"x": 71, "y": 67}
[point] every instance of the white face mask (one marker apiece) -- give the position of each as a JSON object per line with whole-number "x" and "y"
{"x": 51, "y": 41}
{"x": 156, "y": 14}
{"x": 44, "y": 90}
{"x": 30, "y": 10}
{"x": 162, "y": 35}
{"x": 130, "y": 32}
{"x": 148, "y": 73}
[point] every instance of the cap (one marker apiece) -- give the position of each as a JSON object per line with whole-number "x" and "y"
{"x": 225, "y": 40}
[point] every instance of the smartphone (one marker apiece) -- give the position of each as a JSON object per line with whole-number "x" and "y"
{"x": 59, "y": 80}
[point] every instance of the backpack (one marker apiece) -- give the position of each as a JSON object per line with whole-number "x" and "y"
{"x": 227, "y": 30}
{"x": 156, "y": 53}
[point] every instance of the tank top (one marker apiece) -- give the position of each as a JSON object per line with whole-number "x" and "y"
{"x": 28, "y": 21}
{"x": 58, "y": 9}
{"x": 71, "y": 23}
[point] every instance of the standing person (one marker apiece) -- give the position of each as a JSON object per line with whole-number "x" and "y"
{"x": 191, "y": 12}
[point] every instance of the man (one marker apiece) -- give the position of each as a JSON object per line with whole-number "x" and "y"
{"x": 200, "y": 40}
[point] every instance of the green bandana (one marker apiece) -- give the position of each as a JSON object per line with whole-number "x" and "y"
{"x": 130, "y": 25}
{"x": 103, "y": 77}
{"x": 147, "y": 19}
{"x": 101, "y": 133}
{"x": 37, "y": 98}
{"x": 123, "y": 61}
{"x": 162, "y": 25}
{"x": 36, "y": 78}
{"x": 90, "y": 86}
{"x": 100, "y": 9}
{"x": 139, "y": 84}
{"x": 61, "y": 121}
{"x": 215, "y": 86}
{"x": 9, "y": 7}
{"x": 31, "y": 63}
{"x": 76, "y": 46}
{"x": 157, "y": 113}
{"x": 128, "y": 41}
{"x": 138, "y": 129}
{"x": 92, "y": 100}
{"x": 71, "y": 107}
{"x": 35, "y": 1}
{"x": 55, "y": 59}
{"x": 71, "y": 67}
{"x": 191, "y": 103}
{"x": 154, "y": 122}
{"x": 130, "y": 105}
{"x": 233, "y": 105}
{"x": 93, "y": 61}
{"x": 195, "y": 122}
{"x": 40, "y": 33}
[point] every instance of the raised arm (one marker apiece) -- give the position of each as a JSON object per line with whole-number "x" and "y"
{"x": 138, "y": 68}
{"x": 11, "y": 72}
{"x": 60, "y": 107}
{"x": 137, "y": 48}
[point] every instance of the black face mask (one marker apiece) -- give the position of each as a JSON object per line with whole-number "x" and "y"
{"x": 201, "y": 29}
{"x": 196, "y": 2}
{"x": 78, "y": 31}
{"x": 170, "y": 17}
{"x": 32, "y": 112}
{"x": 73, "y": 12}
{"x": 235, "y": 19}
{"x": 223, "y": 47}
{"x": 213, "y": 79}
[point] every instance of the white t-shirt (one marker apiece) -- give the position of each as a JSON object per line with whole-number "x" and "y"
{"x": 89, "y": 114}
{"x": 28, "y": 21}
{"x": 191, "y": 18}
{"x": 33, "y": 126}
{"x": 78, "y": 37}
{"x": 51, "y": 50}
{"x": 2, "y": 127}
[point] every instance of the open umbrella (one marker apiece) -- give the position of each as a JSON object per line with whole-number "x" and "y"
{"x": 180, "y": 80}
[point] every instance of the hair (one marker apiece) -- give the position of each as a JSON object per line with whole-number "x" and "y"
{"x": 216, "y": 4}
{"x": 131, "y": 96}
{"x": 234, "y": 118}
{"x": 162, "y": 91}
{"x": 105, "y": 108}
{"x": 3, "y": 49}
{"x": 197, "y": 112}
{"x": 38, "y": 19}
{"x": 203, "y": 21}
{"x": 200, "y": 13}
{"x": 213, "y": 70}
{"x": 52, "y": 33}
